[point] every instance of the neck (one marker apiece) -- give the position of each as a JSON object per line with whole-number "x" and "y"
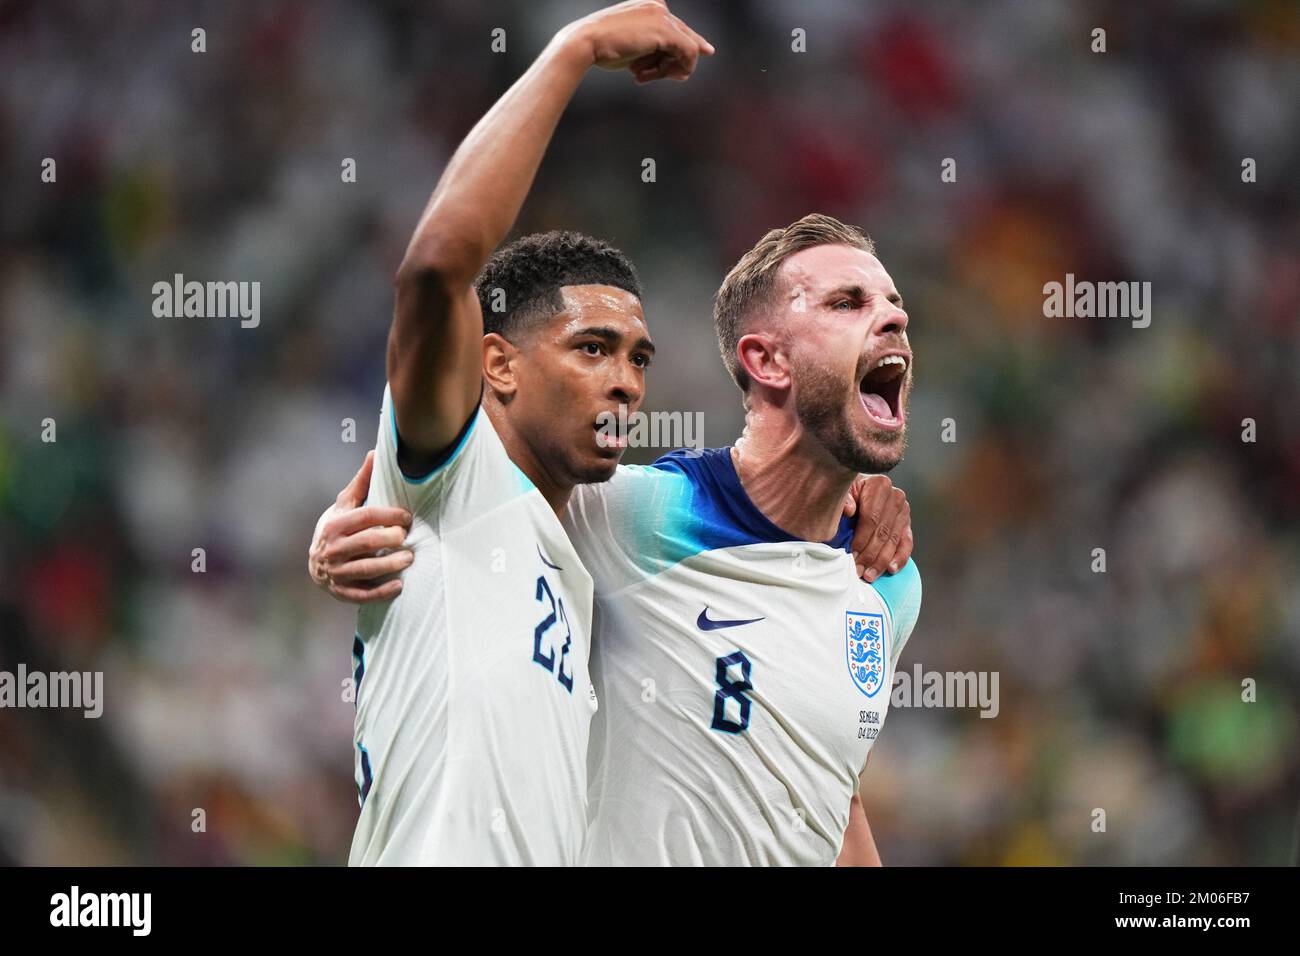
{"x": 555, "y": 492}
{"x": 795, "y": 482}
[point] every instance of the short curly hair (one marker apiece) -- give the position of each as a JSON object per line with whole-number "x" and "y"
{"x": 520, "y": 284}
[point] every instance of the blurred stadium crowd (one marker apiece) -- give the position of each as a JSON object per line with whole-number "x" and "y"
{"x": 223, "y": 690}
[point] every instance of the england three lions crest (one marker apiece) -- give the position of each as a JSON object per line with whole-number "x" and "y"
{"x": 865, "y": 639}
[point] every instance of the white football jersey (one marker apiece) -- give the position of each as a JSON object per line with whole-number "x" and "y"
{"x": 474, "y": 700}
{"x": 743, "y": 675}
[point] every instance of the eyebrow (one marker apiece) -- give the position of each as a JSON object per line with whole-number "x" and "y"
{"x": 860, "y": 294}
{"x": 612, "y": 337}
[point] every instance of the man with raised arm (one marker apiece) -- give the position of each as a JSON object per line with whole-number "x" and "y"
{"x": 742, "y": 665}
{"x": 473, "y": 696}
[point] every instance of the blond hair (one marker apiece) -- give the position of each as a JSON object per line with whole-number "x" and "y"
{"x": 751, "y": 283}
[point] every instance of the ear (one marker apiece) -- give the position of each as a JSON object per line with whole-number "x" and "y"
{"x": 499, "y": 365}
{"x": 763, "y": 361}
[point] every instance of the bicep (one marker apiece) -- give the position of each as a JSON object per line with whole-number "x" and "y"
{"x": 435, "y": 364}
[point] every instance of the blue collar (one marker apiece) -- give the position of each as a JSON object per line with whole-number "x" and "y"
{"x": 722, "y": 503}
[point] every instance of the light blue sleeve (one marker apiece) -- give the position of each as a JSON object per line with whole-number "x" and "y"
{"x": 902, "y": 594}
{"x": 631, "y": 527}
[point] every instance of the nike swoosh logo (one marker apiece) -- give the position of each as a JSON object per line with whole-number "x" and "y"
{"x": 705, "y": 624}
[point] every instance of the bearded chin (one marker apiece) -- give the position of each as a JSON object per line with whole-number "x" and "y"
{"x": 828, "y": 422}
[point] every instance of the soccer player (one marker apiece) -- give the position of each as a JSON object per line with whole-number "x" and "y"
{"x": 713, "y": 527}
{"x": 744, "y": 671}
{"x": 473, "y": 696}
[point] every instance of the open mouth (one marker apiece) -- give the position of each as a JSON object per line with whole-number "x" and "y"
{"x": 611, "y": 431}
{"x": 882, "y": 389}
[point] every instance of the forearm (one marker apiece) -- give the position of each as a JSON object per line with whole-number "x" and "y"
{"x": 859, "y": 847}
{"x": 484, "y": 185}
{"x": 436, "y": 341}
{"x": 434, "y": 359}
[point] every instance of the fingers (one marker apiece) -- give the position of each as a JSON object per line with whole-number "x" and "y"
{"x": 647, "y": 68}
{"x": 901, "y": 535}
{"x": 893, "y": 518}
{"x": 358, "y": 488}
{"x": 665, "y": 67}
{"x": 686, "y": 50}
{"x": 690, "y": 51}
{"x": 367, "y": 569}
{"x": 904, "y": 552}
{"x": 371, "y": 516}
{"x": 867, "y": 559}
{"x": 851, "y": 497}
{"x": 704, "y": 46}
{"x": 871, "y": 494}
{"x": 676, "y": 57}
{"x": 363, "y": 543}
{"x": 367, "y": 592}
{"x": 645, "y": 63}
{"x": 888, "y": 537}
{"x": 672, "y": 59}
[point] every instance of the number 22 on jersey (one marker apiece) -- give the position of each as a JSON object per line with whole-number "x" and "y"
{"x": 544, "y": 651}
